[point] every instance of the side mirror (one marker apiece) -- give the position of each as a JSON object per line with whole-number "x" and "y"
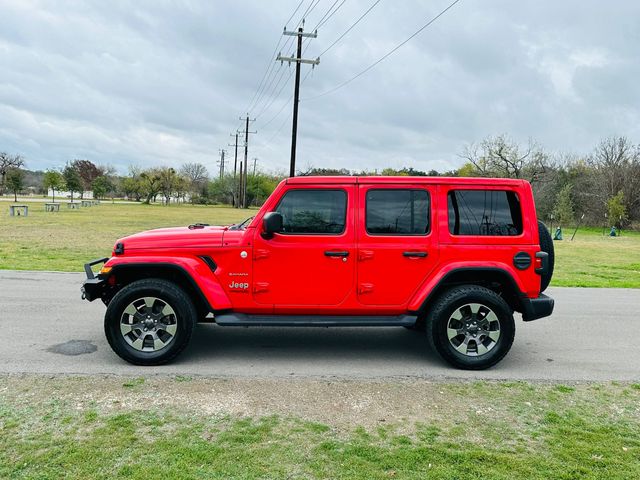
{"x": 271, "y": 223}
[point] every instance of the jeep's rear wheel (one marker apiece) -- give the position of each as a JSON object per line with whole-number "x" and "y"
{"x": 471, "y": 327}
{"x": 149, "y": 322}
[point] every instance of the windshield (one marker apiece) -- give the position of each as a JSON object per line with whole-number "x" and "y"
{"x": 242, "y": 225}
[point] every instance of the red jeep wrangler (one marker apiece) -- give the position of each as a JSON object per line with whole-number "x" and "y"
{"x": 454, "y": 257}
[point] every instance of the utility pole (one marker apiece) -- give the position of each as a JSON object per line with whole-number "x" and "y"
{"x": 296, "y": 94}
{"x": 243, "y": 176}
{"x": 222, "y": 152}
{"x": 255, "y": 159}
{"x": 235, "y": 168}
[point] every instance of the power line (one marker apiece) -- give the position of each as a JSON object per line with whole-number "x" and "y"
{"x": 322, "y": 21}
{"x": 393, "y": 50}
{"x": 273, "y": 99}
{"x": 350, "y": 28}
{"x": 271, "y": 76}
{"x": 288, "y": 101}
{"x": 270, "y": 64}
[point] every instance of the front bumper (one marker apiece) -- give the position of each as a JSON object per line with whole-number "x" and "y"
{"x": 93, "y": 287}
{"x": 534, "y": 308}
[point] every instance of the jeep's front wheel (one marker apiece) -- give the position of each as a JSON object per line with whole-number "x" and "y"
{"x": 471, "y": 327}
{"x": 149, "y": 322}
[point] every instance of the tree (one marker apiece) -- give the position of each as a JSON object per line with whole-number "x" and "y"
{"x": 168, "y": 179}
{"x": 131, "y": 188}
{"x": 616, "y": 209}
{"x": 615, "y": 167}
{"x": 150, "y": 184}
{"x": 563, "y": 211}
{"x": 8, "y": 162}
{"x": 88, "y": 172}
{"x": 54, "y": 181}
{"x": 101, "y": 186}
{"x": 72, "y": 180}
{"x": 196, "y": 175}
{"x": 502, "y": 157}
{"x": 15, "y": 181}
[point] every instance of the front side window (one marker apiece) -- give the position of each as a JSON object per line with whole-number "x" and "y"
{"x": 397, "y": 212}
{"x": 484, "y": 212}
{"x": 313, "y": 211}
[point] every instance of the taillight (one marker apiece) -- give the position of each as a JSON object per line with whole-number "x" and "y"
{"x": 538, "y": 263}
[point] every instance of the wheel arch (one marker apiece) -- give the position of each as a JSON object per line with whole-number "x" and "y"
{"x": 493, "y": 278}
{"x": 205, "y": 301}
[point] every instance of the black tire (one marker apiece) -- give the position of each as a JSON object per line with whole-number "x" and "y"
{"x": 546, "y": 245}
{"x": 458, "y": 299}
{"x": 182, "y": 318}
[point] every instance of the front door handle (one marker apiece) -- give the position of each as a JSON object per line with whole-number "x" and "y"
{"x": 335, "y": 253}
{"x": 414, "y": 254}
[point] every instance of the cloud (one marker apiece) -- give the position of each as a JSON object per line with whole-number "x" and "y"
{"x": 163, "y": 83}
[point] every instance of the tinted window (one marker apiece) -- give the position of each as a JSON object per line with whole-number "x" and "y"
{"x": 399, "y": 212}
{"x": 313, "y": 211}
{"x": 484, "y": 212}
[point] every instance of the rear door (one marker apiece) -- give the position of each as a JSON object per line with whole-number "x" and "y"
{"x": 396, "y": 242}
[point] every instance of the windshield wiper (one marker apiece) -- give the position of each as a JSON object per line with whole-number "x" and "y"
{"x": 240, "y": 226}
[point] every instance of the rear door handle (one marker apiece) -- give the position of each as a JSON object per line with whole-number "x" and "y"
{"x": 334, "y": 253}
{"x": 415, "y": 254}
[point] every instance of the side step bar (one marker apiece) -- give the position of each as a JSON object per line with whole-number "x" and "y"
{"x": 244, "y": 320}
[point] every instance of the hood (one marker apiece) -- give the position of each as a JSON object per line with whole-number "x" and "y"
{"x": 178, "y": 237}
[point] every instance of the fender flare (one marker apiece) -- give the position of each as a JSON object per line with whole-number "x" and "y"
{"x": 430, "y": 290}
{"x": 197, "y": 271}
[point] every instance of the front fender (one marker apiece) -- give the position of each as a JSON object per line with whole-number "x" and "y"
{"x": 196, "y": 270}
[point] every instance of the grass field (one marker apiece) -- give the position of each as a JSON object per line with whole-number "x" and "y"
{"x": 55, "y": 428}
{"x": 64, "y": 241}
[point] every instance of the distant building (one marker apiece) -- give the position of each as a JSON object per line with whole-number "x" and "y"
{"x": 67, "y": 195}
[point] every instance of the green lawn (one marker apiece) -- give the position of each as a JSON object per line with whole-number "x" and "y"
{"x": 594, "y": 260}
{"x": 486, "y": 430}
{"x": 64, "y": 241}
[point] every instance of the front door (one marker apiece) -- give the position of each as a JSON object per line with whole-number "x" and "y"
{"x": 396, "y": 242}
{"x": 311, "y": 262}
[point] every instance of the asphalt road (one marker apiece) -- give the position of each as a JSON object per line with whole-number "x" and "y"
{"x": 593, "y": 335}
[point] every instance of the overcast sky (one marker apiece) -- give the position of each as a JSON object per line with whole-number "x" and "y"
{"x": 163, "y": 83}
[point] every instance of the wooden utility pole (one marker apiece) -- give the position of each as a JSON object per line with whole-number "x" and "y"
{"x": 222, "y": 152}
{"x": 235, "y": 196}
{"x": 243, "y": 175}
{"x": 296, "y": 93}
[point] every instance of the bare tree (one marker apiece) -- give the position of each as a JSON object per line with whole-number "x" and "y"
{"x": 7, "y": 162}
{"x": 196, "y": 176}
{"x": 502, "y": 157}
{"x": 615, "y": 167}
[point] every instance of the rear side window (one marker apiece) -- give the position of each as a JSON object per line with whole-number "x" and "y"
{"x": 397, "y": 212}
{"x": 484, "y": 212}
{"x": 313, "y": 211}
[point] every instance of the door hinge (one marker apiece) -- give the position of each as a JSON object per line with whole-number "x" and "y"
{"x": 260, "y": 253}
{"x": 365, "y": 255}
{"x": 259, "y": 287}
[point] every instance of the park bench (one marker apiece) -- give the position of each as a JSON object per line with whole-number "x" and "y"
{"x": 73, "y": 205}
{"x": 87, "y": 203}
{"x": 18, "y": 210}
{"x": 51, "y": 207}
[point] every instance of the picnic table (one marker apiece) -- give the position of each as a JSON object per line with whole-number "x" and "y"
{"x": 51, "y": 207}
{"x": 73, "y": 205}
{"x": 18, "y": 210}
{"x": 87, "y": 203}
